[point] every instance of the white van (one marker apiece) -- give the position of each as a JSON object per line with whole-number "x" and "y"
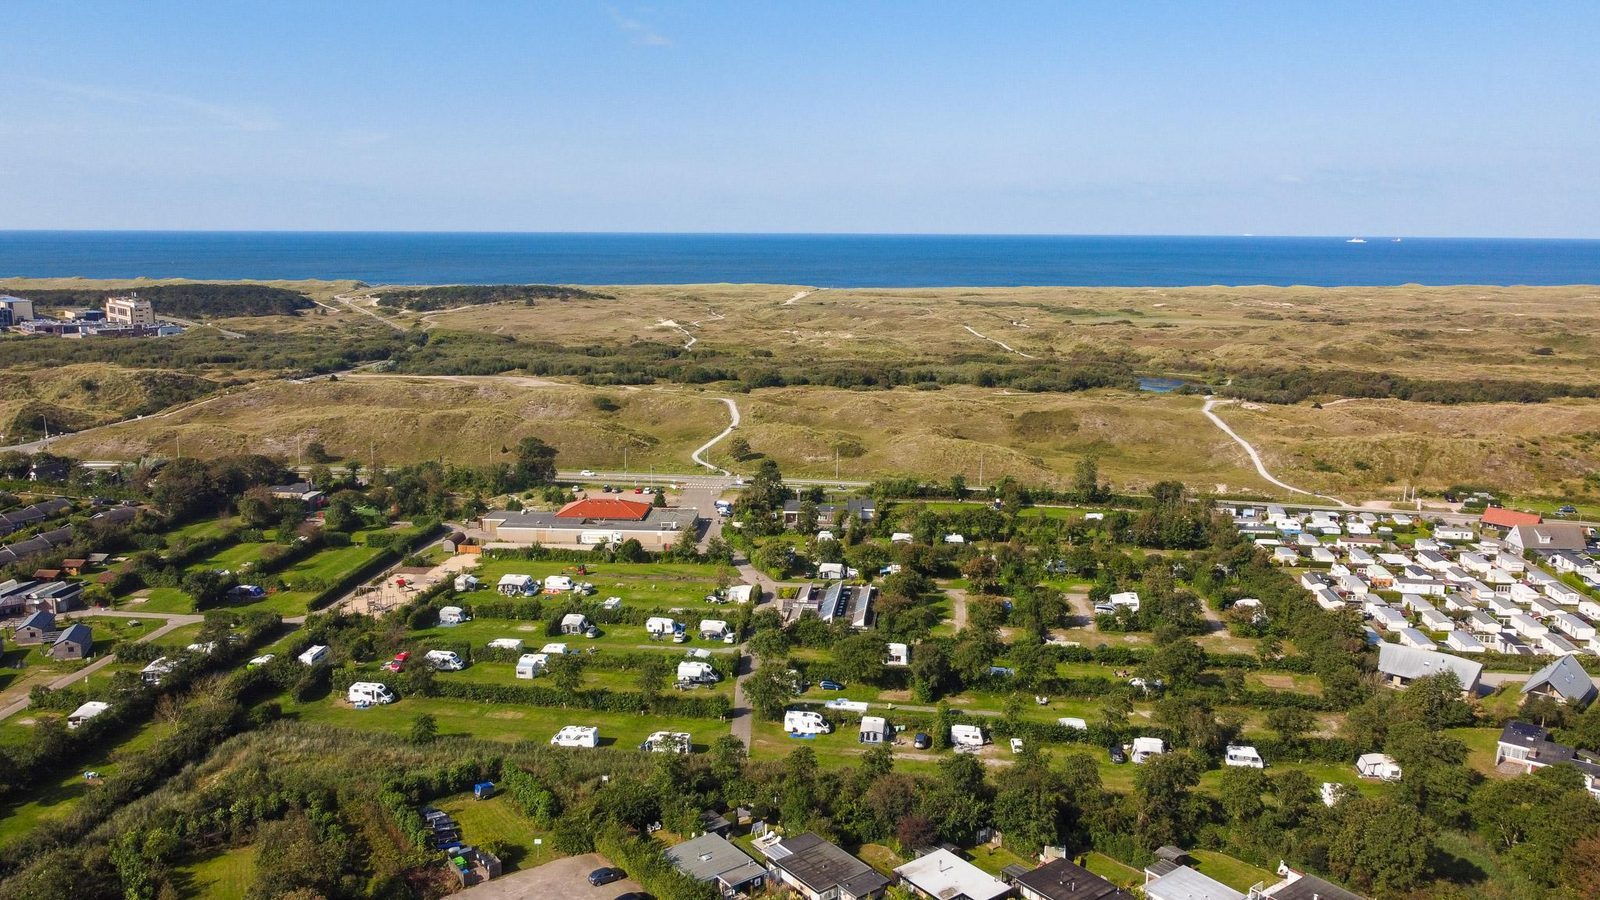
{"x": 668, "y": 742}
{"x": 577, "y": 736}
{"x": 805, "y": 721}
{"x": 697, "y": 672}
{"x": 314, "y": 655}
{"x": 369, "y": 692}
{"x": 444, "y": 660}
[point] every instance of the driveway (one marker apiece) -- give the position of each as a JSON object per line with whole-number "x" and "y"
{"x": 567, "y": 877}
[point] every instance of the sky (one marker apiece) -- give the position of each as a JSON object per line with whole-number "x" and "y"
{"x": 1428, "y": 117}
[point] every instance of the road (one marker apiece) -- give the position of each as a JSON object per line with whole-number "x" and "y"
{"x": 958, "y": 607}
{"x": 741, "y": 721}
{"x": 733, "y": 411}
{"x": 1003, "y": 344}
{"x": 172, "y": 622}
{"x": 1261, "y": 467}
{"x": 189, "y": 324}
{"x": 351, "y": 304}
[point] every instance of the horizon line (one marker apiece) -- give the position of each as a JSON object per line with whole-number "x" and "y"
{"x": 864, "y": 234}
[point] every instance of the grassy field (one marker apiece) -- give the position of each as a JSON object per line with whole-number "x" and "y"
{"x": 57, "y": 795}
{"x": 223, "y": 874}
{"x": 497, "y": 821}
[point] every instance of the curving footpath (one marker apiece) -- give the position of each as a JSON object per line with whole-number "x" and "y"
{"x": 1261, "y": 468}
{"x": 733, "y": 410}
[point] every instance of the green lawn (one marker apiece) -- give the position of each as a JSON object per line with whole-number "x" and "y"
{"x": 648, "y": 585}
{"x": 220, "y": 875}
{"x": 203, "y": 529}
{"x": 1481, "y": 744}
{"x": 500, "y": 721}
{"x": 324, "y": 567}
{"x": 1112, "y": 871}
{"x": 1234, "y": 873}
{"x": 497, "y": 821}
{"x": 56, "y": 795}
{"x": 993, "y": 859}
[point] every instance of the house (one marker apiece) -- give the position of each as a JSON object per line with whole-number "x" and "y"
{"x": 1322, "y": 556}
{"x": 1411, "y": 637}
{"x": 861, "y": 508}
{"x": 1402, "y": 665}
{"x": 1062, "y": 879}
{"x": 1184, "y": 883}
{"x": 1463, "y": 642}
{"x": 1300, "y": 886}
{"x": 1572, "y": 626}
{"x": 575, "y": 623}
{"x": 713, "y": 859}
{"x": 457, "y": 542}
{"x": 1482, "y": 623}
{"x": 299, "y": 492}
{"x": 1529, "y": 747}
{"x": 942, "y": 875}
{"x": 1433, "y": 620}
{"x": 1388, "y": 618}
{"x": 1454, "y": 533}
{"x": 1378, "y": 765}
{"x": 1564, "y": 681}
{"x": 1527, "y": 626}
{"x": 590, "y": 522}
{"x": 1562, "y": 594}
{"x": 1546, "y": 539}
{"x": 34, "y": 628}
{"x": 875, "y": 730}
{"x": 1500, "y": 517}
{"x": 56, "y": 596}
{"x": 84, "y": 713}
{"x": 1285, "y": 556}
{"x": 74, "y": 642}
{"x": 819, "y": 870}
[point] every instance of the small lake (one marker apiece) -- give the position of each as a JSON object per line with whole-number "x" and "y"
{"x": 1160, "y": 385}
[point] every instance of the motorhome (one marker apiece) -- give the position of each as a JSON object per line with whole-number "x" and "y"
{"x": 577, "y": 736}
{"x": 444, "y": 660}
{"x": 314, "y": 655}
{"x": 668, "y": 742}
{"x": 966, "y": 737}
{"x": 369, "y": 692}
{"x": 696, "y": 672}
{"x": 159, "y": 669}
{"x": 531, "y": 664}
{"x": 805, "y": 722}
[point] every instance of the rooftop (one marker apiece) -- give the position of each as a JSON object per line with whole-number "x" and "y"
{"x": 823, "y": 866}
{"x": 1062, "y": 879}
{"x": 604, "y": 508}
{"x": 944, "y": 874}
{"x": 712, "y": 856}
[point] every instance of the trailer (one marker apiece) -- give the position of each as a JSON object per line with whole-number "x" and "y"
{"x": 966, "y": 737}
{"x": 531, "y": 664}
{"x": 660, "y": 626}
{"x": 314, "y": 655}
{"x": 453, "y": 615}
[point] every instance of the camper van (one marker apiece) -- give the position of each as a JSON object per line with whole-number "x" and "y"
{"x": 444, "y": 660}
{"x": 367, "y": 692}
{"x": 697, "y": 672}
{"x": 84, "y": 713}
{"x": 453, "y": 615}
{"x": 668, "y": 742}
{"x": 577, "y": 736}
{"x": 531, "y": 664}
{"x": 314, "y": 655}
{"x": 966, "y": 737}
{"x": 805, "y": 722}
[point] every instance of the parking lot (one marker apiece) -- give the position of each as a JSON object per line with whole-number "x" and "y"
{"x": 567, "y": 877}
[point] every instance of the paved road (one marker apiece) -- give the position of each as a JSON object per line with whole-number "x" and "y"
{"x": 567, "y": 877}
{"x": 1261, "y": 467}
{"x": 172, "y": 622}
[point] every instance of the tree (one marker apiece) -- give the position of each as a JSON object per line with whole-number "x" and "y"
{"x": 258, "y": 508}
{"x": 739, "y": 448}
{"x": 535, "y": 465}
{"x": 1291, "y": 723}
{"x": 859, "y": 657}
{"x": 769, "y": 690}
{"x": 1114, "y": 709}
{"x": 566, "y": 672}
{"x": 1241, "y": 790}
{"x": 930, "y": 672}
{"x": 1165, "y": 809}
{"x": 770, "y": 644}
{"x": 207, "y": 587}
{"x": 424, "y": 729}
{"x": 1536, "y": 819}
{"x": 1027, "y": 807}
{"x": 1379, "y": 844}
{"x": 653, "y": 677}
{"x": 982, "y": 573}
{"x": 1178, "y": 663}
{"x": 1086, "y": 480}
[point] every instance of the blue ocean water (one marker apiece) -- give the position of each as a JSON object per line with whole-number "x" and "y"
{"x": 824, "y": 260}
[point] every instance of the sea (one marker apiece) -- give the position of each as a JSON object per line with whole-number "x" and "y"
{"x": 821, "y": 260}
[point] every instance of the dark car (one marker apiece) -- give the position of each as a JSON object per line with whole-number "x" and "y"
{"x": 635, "y": 895}
{"x": 606, "y": 875}
{"x": 1567, "y": 510}
{"x": 1117, "y": 756}
{"x": 827, "y": 685}
{"x": 921, "y": 741}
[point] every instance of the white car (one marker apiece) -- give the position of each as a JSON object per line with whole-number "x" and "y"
{"x": 586, "y": 473}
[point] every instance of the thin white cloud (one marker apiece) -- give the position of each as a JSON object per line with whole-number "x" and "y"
{"x": 216, "y": 113}
{"x": 641, "y": 32}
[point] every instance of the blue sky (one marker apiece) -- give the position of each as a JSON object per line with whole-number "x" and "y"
{"x": 1414, "y": 118}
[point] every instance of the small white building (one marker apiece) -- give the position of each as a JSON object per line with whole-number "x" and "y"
{"x": 1463, "y": 642}
{"x": 897, "y": 654}
{"x": 941, "y": 873}
{"x": 1411, "y": 637}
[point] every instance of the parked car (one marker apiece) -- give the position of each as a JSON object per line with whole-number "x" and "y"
{"x": 827, "y": 685}
{"x": 591, "y": 632}
{"x": 606, "y": 875}
{"x": 1118, "y": 756}
{"x": 586, "y": 473}
{"x": 399, "y": 661}
{"x": 638, "y": 490}
{"x": 921, "y": 741}
{"x": 605, "y": 488}
{"x": 636, "y": 895}
{"x": 1567, "y": 510}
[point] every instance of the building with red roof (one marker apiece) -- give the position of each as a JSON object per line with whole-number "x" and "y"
{"x": 605, "y": 508}
{"x": 1509, "y": 518}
